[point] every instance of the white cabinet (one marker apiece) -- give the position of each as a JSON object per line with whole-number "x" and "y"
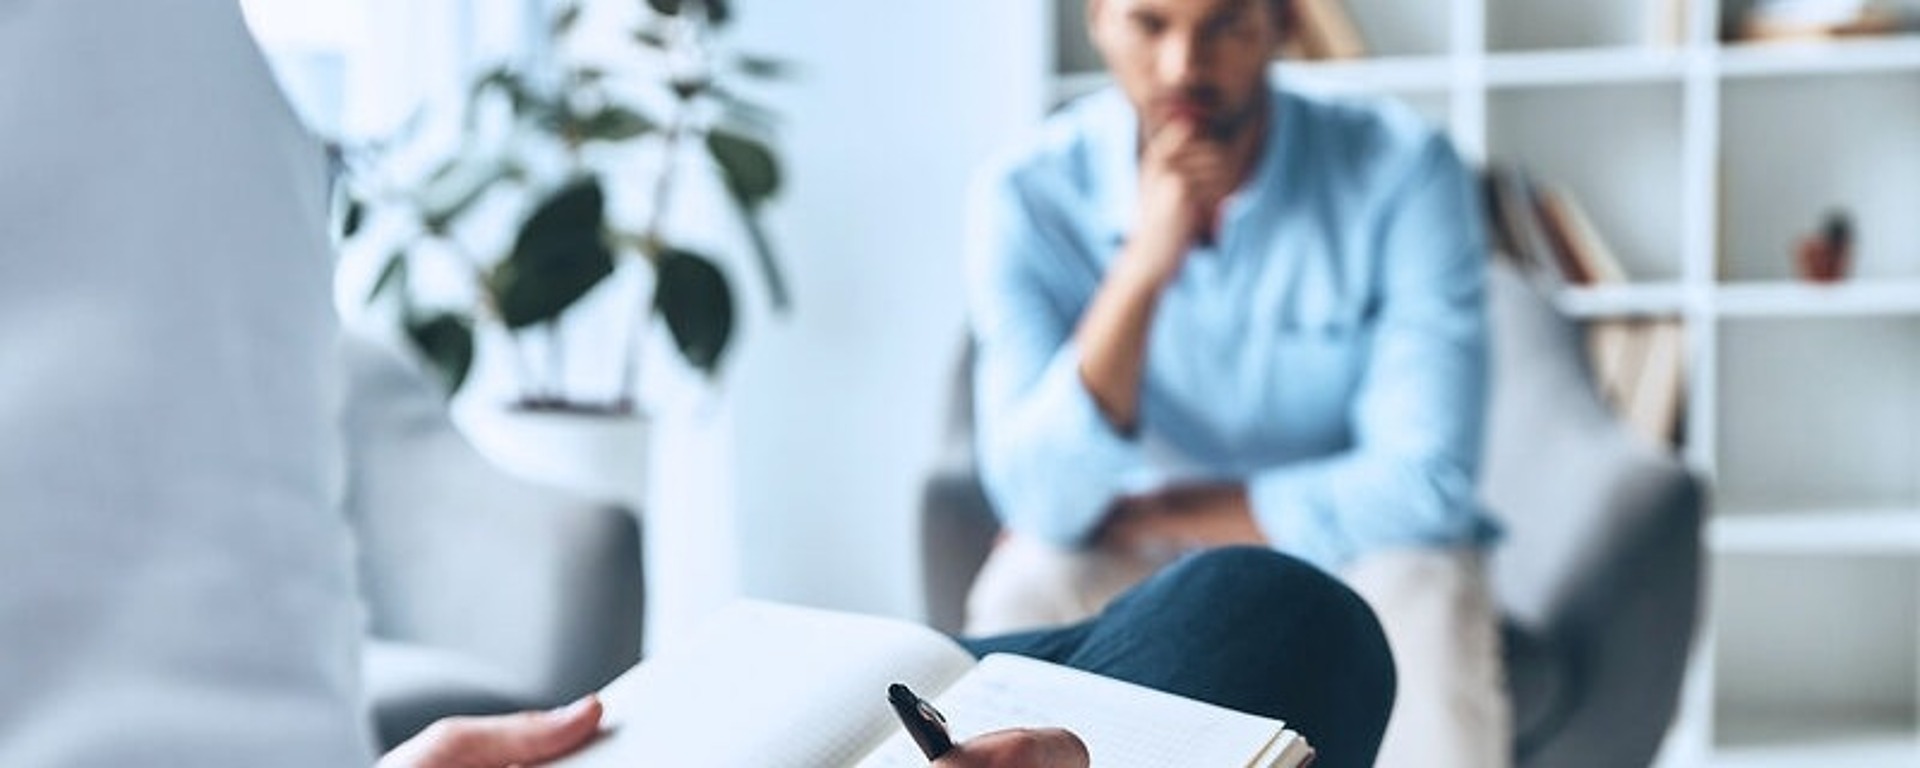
{"x": 1703, "y": 163}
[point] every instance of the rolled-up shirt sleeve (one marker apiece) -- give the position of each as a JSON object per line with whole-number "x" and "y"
{"x": 1409, "y": 478}
{"x": 1051, "y": 462}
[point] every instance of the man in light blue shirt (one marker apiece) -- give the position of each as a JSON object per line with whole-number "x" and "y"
{"x": 1211, "y": 311}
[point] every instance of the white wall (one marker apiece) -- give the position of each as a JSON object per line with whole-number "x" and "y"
{"x": 835, "y": 409}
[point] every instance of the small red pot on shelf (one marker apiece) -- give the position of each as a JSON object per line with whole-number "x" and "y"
{"x": 1827, "y": 256}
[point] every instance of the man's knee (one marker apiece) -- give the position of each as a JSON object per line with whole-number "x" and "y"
{"x": 1262, "y": 581}
{"x": 1259, "y": 584}
{"x": 1274, "y": 617}
{"x": 1254, "y": 570}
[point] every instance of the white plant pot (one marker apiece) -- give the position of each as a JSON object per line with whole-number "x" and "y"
{"x": 595, "y": 454}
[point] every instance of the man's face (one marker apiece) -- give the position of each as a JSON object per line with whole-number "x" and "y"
{"x": 1198, "y": 60}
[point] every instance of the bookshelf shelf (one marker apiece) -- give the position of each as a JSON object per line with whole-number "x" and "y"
{"x": 1866, "y": 55}
{"x": 1585, "y": 67}
{"x": 1746, "y": 300}
{"x": 1862, "y": 298}
{"x": 1623, "y": 300}
{"x": 1816, "y": 532}
{"x": 1888, "y": 746}
{"x": 1399, "y": 74}
{"x": 1783, "y": 741}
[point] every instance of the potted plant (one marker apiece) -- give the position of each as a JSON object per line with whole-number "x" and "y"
{"x": 547, "y": 147}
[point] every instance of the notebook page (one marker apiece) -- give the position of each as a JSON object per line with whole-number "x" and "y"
{"x": 1124, "y": 725}
{"x": 765, "y": 686}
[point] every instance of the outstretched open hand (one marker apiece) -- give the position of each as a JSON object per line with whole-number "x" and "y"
{"x": 526, "y": 738}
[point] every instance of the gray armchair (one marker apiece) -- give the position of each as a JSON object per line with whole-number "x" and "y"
{"x": 485, "y": 593}
{"x": 1599, "y": 576}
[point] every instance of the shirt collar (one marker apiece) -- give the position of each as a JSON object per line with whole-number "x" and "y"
{"x": 1276, "y": 157}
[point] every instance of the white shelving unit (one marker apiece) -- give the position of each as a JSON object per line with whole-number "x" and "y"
{"x": 1703, "y": 163}
{"x": 1822, "y": 532}
{"x": 1578, "y": 67}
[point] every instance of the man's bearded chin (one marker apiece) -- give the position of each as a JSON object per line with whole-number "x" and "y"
{"x": 1227, "y": 127}
{"x": 1224, "y": 126}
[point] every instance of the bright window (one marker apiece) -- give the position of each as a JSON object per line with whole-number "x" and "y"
{"x": 357, "y": 69}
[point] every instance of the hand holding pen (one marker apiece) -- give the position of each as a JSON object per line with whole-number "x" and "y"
{"x": 1017, "y": 748}
{"x": 924, "y": 723}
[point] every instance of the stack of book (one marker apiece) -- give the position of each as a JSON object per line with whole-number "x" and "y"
{"x": 1666, "y": 23}
{"x": 1773, "y": 20}
{"x": 1639, "y": 364}
{"x": 1543, "y": 226}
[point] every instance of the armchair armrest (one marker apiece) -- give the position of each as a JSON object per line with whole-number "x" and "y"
{"x": 543, "y": 587}
{"x": 539, "y": 585}
{"x": 1616, "y": 589}
{"x": 1602, "y": 558}
{"x": 957, "y": 531}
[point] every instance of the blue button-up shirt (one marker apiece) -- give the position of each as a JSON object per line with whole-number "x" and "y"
{"x": 1329, "y": 351}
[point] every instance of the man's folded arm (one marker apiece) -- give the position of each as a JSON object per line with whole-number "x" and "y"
{"x": 1050, "y": 460}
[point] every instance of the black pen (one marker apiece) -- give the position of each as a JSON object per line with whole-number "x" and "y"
{"x": 924, "y": 723}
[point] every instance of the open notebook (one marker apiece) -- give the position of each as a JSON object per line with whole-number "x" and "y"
{"x": 765, "y": 685}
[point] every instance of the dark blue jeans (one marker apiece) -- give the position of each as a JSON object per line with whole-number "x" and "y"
{"x": 1246, "y": 628}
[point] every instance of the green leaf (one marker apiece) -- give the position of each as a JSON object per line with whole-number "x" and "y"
{"x": 393, "y": 275}
{"x": 446, "y": 341}
{"x": 356, "y": 215}
{"x": 741, "y": 110}
{"x": 526, "y": 101}
{"x": 500, "y": 79}
{"x": 717, "y": 11}
{"x": 456, "y": 185}
{"x": 751, "y": 172}
{"x": 567, "y": 17}
{"x": 769, "y": 267}
{"x": 561, "y": 254}
{"x": 765, "y": 67}
{"x": 615, "y": 123}
{"x": 693, "y": 296}
{"x": 651, "y": 38}
{"x": 690, "y": 87}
